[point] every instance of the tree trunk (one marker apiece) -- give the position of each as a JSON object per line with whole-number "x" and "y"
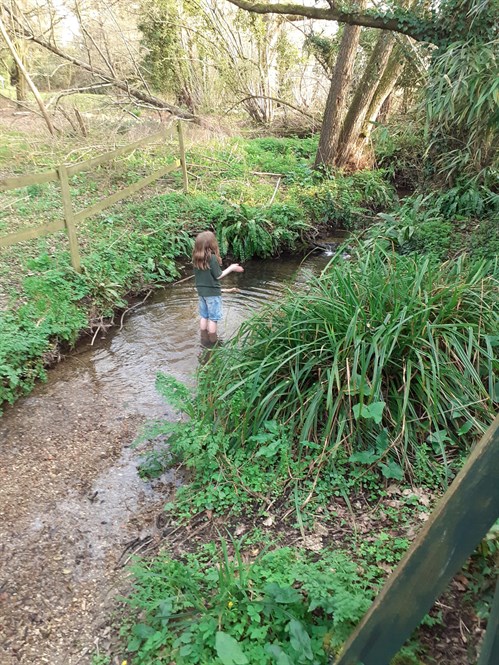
{"x": 19, "y": 82}
{"x": 363, "y": 98}
{"x": 385, "y": 87}
{"x": 336, "y": 103}
{"x": 16, "y": 76}
{"x": 393, "y": 70}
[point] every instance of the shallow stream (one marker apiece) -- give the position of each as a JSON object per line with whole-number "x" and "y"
{"x": 70, "y": 498}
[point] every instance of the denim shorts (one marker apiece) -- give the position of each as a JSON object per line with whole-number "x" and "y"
{"x": 210, "y": 308}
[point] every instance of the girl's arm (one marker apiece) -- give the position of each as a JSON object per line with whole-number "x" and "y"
{"x": 234, "y": 267}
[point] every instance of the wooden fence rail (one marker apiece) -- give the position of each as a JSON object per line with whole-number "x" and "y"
{"x": 460, "y": 520}
{"x": 64, "y": 172}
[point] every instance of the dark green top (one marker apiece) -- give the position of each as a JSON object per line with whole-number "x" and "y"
{"x": 207, "y": 282}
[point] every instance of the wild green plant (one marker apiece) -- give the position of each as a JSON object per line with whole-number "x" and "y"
{"x": 380, "y": 356}
{"x": 399, "y": 149}
{"x": 259, "y": 232}
{"x": 51, "y": 311}
{"x": 462, "y": 106}
{"x": 443, "y": 223}
{"x": 283, "y": 607}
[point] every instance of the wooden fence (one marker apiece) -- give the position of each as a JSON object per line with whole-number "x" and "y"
{"x": 63, "y": 173}
{"x": 460, "y": 520}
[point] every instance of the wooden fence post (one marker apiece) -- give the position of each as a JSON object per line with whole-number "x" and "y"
{"x": 457, "y": 524}
{"x": 185, "y": 179}
{"x": 69, "y": 217}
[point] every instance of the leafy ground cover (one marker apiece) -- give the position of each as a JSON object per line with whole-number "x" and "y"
{"x": 336, "y": 419}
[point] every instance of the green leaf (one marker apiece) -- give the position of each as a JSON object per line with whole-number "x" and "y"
{"x": 143, "y": 631}
{"x": 229, "y": 650}
{"x": 392, "y": 470}
{"x": 439, "y": 437}
{"x": 282, "y": 595}
{"x": 364, "y": 457}
{"x": 372, "y": 411}
{"x": 165, "y": 609}
{"x": 281, "y": 657}
{"x": 300, "y": 639}
{"x": 464, "y": 429}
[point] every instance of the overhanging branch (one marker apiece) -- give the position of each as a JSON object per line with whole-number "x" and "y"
{"x": 404, "y": 23}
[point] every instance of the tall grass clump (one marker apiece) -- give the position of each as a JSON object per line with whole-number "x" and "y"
{"x": 383, "y": 357}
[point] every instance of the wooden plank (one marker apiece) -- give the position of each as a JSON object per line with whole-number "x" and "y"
{"x": 460, "y": 520}
{"x": 123, "y": 193}
{"x": 489, "y": 654}
{"x": 15, "y": 182}
{"x": 185, "y": 178}
{"x": 69, "y": 218}
{"x": 29, "y": 234}
{"x": 108, "y": 156}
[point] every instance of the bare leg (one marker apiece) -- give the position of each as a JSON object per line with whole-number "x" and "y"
{"x": 203, "y": 324}
{"x": 212, "y": 327}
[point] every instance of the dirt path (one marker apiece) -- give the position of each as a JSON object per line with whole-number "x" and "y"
{"x": 70, "y": 501}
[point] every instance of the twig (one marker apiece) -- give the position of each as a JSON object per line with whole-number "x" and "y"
{"x": 143, "y": 545}
{"x": 275, "y": 190}
{"x": 133, "y": 307}
{"x": 75, "y": 91}
{"x": 276, "y": 175}
{"x": 182, "y": 280}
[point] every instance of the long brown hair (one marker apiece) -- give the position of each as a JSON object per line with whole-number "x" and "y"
{"x": 204, "y": 246}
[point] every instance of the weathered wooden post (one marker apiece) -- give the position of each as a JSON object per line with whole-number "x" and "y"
{"x": 460, "y": 520}
{"x": 182, "y": 156}
{"x": 69, "y": 217}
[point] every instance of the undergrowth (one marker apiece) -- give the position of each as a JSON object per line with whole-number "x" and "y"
{"x": 134, "y": 246}
{"x": 283, "y": 607}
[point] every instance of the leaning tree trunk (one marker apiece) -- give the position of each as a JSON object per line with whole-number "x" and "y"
{"x": 336, "y": 103}
{"x": 363, "y": 98}
{"x": 393, "y": 70}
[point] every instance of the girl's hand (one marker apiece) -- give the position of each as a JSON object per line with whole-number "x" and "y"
{"x": 235, "y": 267}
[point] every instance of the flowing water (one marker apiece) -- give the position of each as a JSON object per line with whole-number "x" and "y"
{"x": 70, "y": 497}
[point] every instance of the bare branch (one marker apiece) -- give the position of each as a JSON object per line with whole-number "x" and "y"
{"x": 117, "y": 83}
{"x": 23, "y": 72}
{"x": 273, "y": 99}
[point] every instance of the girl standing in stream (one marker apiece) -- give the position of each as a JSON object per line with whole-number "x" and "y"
{"x": 208, "y": 273}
